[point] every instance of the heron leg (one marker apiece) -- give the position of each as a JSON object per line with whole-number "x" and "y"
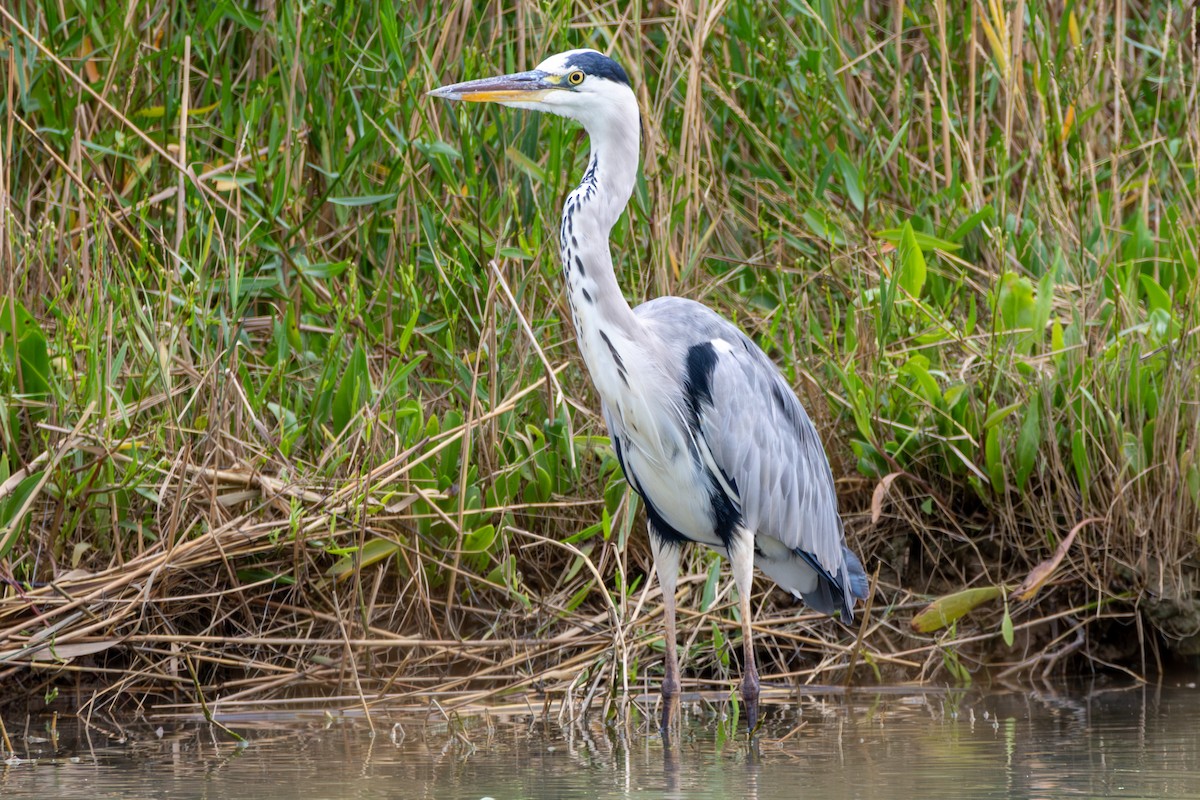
{"x": 741, "y": 559}
{"x": 666, "y": 563}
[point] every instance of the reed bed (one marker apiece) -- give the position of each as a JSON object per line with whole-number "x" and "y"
{"x": 291, "y": 413}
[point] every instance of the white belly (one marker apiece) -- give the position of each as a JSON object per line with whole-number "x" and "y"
{"x": 654, "y": 436}
{"x": 673, "y": 483}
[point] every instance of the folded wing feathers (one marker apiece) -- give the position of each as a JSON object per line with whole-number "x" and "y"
{"x": 760, "y": 434}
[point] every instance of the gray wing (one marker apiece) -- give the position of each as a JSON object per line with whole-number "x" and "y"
{"x": 764, "y": 449}
{"x": 761, "y": 439}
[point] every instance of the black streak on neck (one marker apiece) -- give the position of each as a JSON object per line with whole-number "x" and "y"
{"x": 616, "y": 357}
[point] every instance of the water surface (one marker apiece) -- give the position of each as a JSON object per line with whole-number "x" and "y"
{"x": 1113, "y": 742}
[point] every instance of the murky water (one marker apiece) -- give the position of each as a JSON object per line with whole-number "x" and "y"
{"x": 1112, "y": 742}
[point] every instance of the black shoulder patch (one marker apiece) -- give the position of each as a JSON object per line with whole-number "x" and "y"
{"x": 599, "y": 65}
{"x": 697, "y": 382}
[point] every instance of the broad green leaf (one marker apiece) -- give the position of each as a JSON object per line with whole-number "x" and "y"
{"x": 1156, "y": 296}
{"x": 439, "y": 149}
{"x": 911, "y": 262}
{"x": 823, "y": 227}
{"x": 918, "y": 368}
{"x": 15, "y": 320}
{"x": 449, "y": 461}
{"x": 895, "y": 142}
{"x": 955, "y": 393}
{"x": 850, "y": 330}
{"x": 949, "y": 608}
{"x": 35, "y": 363}
{"x": 924, "y": 240}
{"x": 291, "y": 322}
{"x": 538, "y": 488}
{"x": 999, "y": 414}
{"x": 24, "y": 341}
{"x": 1057, "y": 342}
{"x": 850, "y": 179}
{"x": 1042, "y": 305}
{"x": 576, "y": 600}
{"x": 1192, "y": 478}
{"x": 10, "y": 507}
{"x": 711, "y": 581}
{"x": 406, "y": 334}
{"x": 236, "y": 13}
{"x": 586, "y": 549}
{"x": 862, "y": 415}
{"x": 354, "y": 390}
{"x": 480, "y": 539}
{"x": 108, "y": 151}
{"x": 969, "y": 224}
{"x": 372, "y": 552}
{"x": 387, "y": 24}
{"x": 1015, "y": 301}
{"x": 995, "y": 464}
{"x": 1079, "y": 459}
{"x": 250, "y": 575}
{"x": 362, "y": 200}
{"x": 322, "y": 269}
{"x": 1028, "y": 441}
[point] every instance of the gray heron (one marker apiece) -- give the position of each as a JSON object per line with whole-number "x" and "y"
{"x": 706, "y": 429}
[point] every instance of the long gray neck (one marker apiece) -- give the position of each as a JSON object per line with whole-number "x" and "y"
{"x": 602, "y": 316}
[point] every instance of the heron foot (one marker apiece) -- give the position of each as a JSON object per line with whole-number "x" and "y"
{"x": 750, "y": 700}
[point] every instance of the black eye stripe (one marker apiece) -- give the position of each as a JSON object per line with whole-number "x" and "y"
{"x": 598, "y": 66}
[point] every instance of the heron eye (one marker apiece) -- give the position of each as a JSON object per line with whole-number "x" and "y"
{"x": 575, "y": 78}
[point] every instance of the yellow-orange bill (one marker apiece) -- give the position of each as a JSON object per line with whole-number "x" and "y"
{"x": 521, "y": 86}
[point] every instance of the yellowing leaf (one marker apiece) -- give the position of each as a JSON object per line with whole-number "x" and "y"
{"x": 157, "y": 112}
{"x": 998, "y": 53}
{"x": 946, "y": 610}
{"x": 89, "y": 66}
{"x": 1068, "y": 123}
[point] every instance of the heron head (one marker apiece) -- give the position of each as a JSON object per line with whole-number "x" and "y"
{"x": 583, "y": 85}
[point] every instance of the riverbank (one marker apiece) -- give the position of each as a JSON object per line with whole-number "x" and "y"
{"x": 290, "y": 403}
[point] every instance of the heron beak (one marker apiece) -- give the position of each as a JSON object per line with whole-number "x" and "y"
{"x": 525, "y": 87}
